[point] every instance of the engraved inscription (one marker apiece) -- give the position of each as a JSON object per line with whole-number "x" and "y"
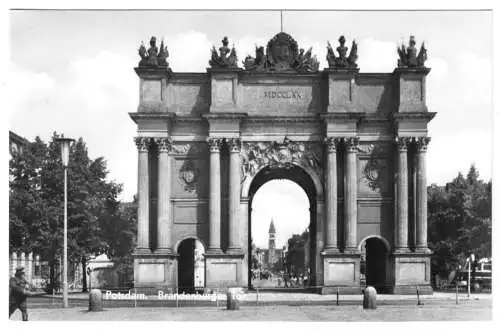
{"x": 282, "y": 95}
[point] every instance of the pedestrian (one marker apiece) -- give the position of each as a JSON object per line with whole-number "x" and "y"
{"x": 18, "y": 293}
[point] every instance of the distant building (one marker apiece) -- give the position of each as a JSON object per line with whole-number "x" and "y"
{"x": 17, "y": 143}
{"x": 271, "y": 255}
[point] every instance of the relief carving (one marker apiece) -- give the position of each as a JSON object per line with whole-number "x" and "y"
{"x": 185, "y": 148}
{"x": 189, "y": 175}
{"x": 372, "y": 173}
{"x": 254, "y": 156}
{"x": 369, "y": 148}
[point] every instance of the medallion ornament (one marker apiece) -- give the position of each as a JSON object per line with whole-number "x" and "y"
{"x": 189, "y": 175}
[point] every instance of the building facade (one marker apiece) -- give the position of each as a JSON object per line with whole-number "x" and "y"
{"x": 355, "y": 142}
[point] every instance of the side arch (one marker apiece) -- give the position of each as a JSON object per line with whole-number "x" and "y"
{"x": 386, "y": 243}
{"x": 194, "y": 237}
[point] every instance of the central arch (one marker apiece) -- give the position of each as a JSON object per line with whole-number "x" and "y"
{"x": 301, "y": 177}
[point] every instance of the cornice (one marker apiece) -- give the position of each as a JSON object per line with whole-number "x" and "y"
{"x": 398, "y": 117}
{"x": 342, "y": 116}
{"x": 224, "y": 116}
{"x": 282, "y": 119}
{"x": 136, "y": 116}
{"x": 411, "y": 71}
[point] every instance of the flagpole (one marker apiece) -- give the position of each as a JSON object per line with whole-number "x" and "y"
{"x": 281, "y": 13}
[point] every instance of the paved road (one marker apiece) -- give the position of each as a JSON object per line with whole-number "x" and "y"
{"x": 472, "y": 310}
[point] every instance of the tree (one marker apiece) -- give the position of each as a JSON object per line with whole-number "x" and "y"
{"x": 459, "y": 217}
{"x": 295, "y": 256}
{"x": 95, "y": 222}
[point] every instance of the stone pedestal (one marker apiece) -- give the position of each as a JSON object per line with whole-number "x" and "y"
{"x": 412, "y": 270}
{"x": 223, "y": 271}
{"x": 341, "y": 271}
{"x": 155, "y": 271}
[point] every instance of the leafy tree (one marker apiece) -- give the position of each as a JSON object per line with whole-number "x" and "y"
{"x": 295, "y": 256}
{"x": 459, "y": 221}
{"x": 95, "y": 221}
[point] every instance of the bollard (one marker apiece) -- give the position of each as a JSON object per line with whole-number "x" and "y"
{"x": 418, "y": 297}
{"x": 337, "y": 296}
{"x": 95, "y": 300}
{"x": 369, "y": 298}
{"x": 456, "y": 292}
{"x": 232, "y": 300}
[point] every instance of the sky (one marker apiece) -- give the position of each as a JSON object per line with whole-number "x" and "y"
{"x": 72, "y": 72}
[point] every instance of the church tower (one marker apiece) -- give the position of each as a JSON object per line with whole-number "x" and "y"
{"x": 272, "y": 244}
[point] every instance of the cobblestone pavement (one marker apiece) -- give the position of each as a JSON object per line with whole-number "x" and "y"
{"x": 480, "y": 309}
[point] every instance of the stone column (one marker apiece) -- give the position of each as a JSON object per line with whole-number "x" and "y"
{"x": 402, "y": 207}
{"x": 421, "y": 220}
{"x": 215, "y": 195}
{"x": 331, "y": 194}
{"x": 234, "y": 194}
{"x": 143, "y": 192}
{"x": 351, "y": 195}
{"x": 164, "y": 215}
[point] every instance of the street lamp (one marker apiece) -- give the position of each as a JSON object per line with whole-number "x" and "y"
{"x": 65, "y": 142}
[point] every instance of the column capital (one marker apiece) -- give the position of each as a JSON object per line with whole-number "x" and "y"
{"x": 403, "y": 143}
{"x": 422, "y": 143}
{"x": 332, "y": 143}
{"x": 214, "y": 144}
{"x": 351, "y": 143}
{"x": 234, "y": 144}
{"x": 142, "y": 143}
{"x": 164, "y": 144}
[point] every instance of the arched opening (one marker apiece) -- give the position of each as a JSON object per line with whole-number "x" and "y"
{"x": 191, "y": 266}
{"x": 282, "y": 205}
{"x": 374, "y": 263}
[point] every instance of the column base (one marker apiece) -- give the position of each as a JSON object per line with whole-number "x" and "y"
{"x": 155, "y": 271}
{"x": 352, "y": 251}
{"x": 412, "y": 270}
{"x": 423, "y": 250}
{"x": 341, "y": 270}
{"x": 234, "y": 252}
{"x": 402, "y": 251}
{"x": 142, "y": 251}
{"x": 214, "y": 251}
{"x": 164, "y": 251}
{"x": 225, "y": 270}
{"x": 330, "y": 250}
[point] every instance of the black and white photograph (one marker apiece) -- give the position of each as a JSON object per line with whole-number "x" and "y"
{"x": 249, "y": 165}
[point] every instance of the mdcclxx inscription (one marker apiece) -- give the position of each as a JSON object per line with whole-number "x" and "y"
{"x": 282, "y": 95}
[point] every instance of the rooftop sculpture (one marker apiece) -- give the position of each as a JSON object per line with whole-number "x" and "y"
{"x": 282, "y": 54}
{"x": 342, "y": 60}
{"x": 408, "y": 56}
{"x": 226, "y": 58}
{"x": 152, "y": 57}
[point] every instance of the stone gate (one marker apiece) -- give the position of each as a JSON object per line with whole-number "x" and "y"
{"x": 356, "y": 142}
